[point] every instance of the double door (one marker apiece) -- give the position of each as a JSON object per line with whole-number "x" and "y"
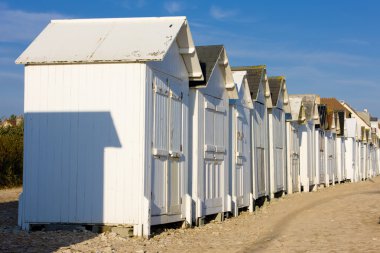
{"x": 259, "y": 147}
{"x": 167, "y": 146}
{"x": 331, "y": 158}
{"x": 242, "y": 155}
{"x": 278, "y": 148}
{"x": 295, "y": 159}
{"x": 214, "y": 154}
{"x": 322, "y": 159}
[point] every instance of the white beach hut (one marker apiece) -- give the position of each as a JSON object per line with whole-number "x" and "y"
{"x": 361, "y": 137}
{"x": 367, "y": 142}
{"x": 375, "y": 129}
{"x": 277, "y": 134}
{"x": 260, "y": 94}
{"x": 240, "y": 145}
{"x": 351, "y": 158}
{"x": 330, "y": 134}
{"x": 336, "y": 110}
{"x": 106, "y": 123}
{"x": 293, "y": 139}
{"x": 209, "y": 163}
{"x": 308, "y": 173}
{"x": 321, "y": 145}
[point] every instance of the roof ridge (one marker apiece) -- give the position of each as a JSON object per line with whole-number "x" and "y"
{"x": 277, "y": 77}
{"x": 249, "y": 67}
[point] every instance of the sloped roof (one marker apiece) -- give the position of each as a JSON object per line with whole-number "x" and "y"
{"x": 208, "y": 59}
{"x": 365, "y": 117}
{"x": 275, "y": 86}
{"x": 334, "y": 105}
{"x": 254, "y": 77}
{"x": 361, "y": 117}
{"x": 112, "y": 40}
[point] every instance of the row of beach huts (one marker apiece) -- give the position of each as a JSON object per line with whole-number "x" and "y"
{"x": 129, "y": 124}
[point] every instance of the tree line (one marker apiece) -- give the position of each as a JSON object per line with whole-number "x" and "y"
{"x": 11, "y": 151}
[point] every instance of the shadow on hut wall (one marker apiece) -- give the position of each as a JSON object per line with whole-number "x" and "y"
{"x": 64, "y": 166}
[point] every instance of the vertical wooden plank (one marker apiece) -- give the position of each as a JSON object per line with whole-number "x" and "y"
{"x": 75, "y": 82}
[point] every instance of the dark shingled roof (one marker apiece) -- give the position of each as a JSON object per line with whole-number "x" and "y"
{"x": 254, "y": 76}
{"x": 275, "y": 87}
{"x": 208, "y": 57}
{"x": 334, "y": 105}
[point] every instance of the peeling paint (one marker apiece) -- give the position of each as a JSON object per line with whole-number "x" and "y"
{"x": 156, "y": 53}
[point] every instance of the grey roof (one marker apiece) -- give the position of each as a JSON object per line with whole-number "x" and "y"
{"x": 275, "y": 85}
{"x": 208, "y": 58}
{"x": 254, "y": 75}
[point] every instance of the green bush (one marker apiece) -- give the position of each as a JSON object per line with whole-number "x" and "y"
{"x": 11, "y": 155}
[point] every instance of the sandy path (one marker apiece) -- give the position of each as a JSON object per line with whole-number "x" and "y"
{"x": 343, "y": 218}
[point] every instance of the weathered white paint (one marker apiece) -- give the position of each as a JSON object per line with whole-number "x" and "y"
{"x": 340, "y": 160}
{"x": 277, "y": 139}
{"x": 321, "y": 154}
{"x": 260, "y": 148}
{"x": 307, "y": 155}
{"x": 112, "y": 40}
{"x": 331, "y": 156}
{"x": 71, "y": 132}
{"x": 260, "y": 145}
{"x": 277, "y": 144}
{"x": 107, "y": 143}
{"x": 240, "y": 145}
{"x": 309, "y": 144}
{"x": 293, "y": 157}
{"x": 351, "y": 154}
{"x": 209, "y": 145}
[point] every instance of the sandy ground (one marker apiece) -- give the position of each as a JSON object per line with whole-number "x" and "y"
{"x": 341, "y": 218}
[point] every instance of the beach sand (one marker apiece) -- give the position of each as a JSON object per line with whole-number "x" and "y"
{"x": 340, "y": 218}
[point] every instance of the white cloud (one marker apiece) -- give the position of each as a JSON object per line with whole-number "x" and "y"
{"x": 219, "y": 13}
{"x": 199, "y": 24}
{"x": 173, "y": 7}
{"x": 19, "y": 25}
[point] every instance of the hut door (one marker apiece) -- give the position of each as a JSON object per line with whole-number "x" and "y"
{"x": 175, "y": 151}
{"x": 259, "y": 136}
{"x": 331, "y": 158}
{"x": 295, "y": 160}
{"x": 214, "y": 120}
{"x": 278, "y": 152}
{"x": 322, "y": 169}
{"x": 361, "y": 170}
{"x": 240, "y": 156}
{"x": 343, "y": 158}
{"x": 167, "y": 148}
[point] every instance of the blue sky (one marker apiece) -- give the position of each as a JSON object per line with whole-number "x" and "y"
{"x": 331, "y": 48}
